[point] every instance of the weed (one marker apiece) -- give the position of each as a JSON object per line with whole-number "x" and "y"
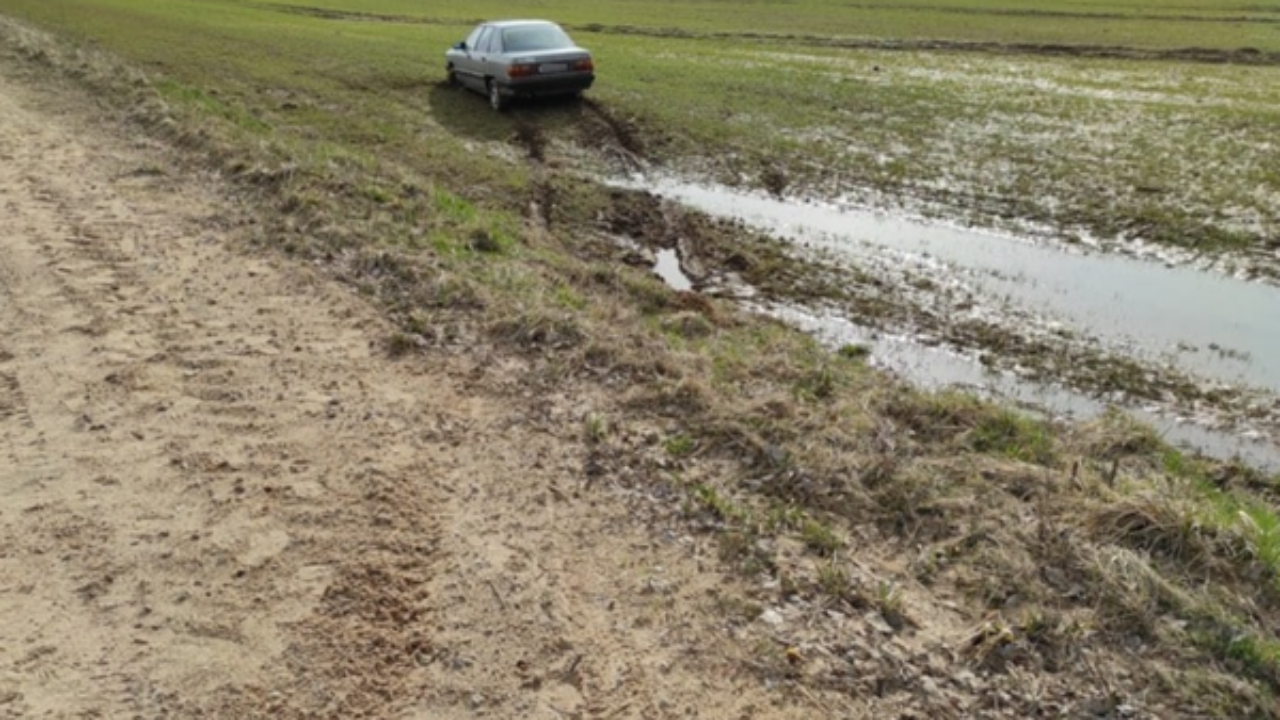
{"x": 679, "y": 446}
{"x": 1177, "y": 464}
{"x": 650, "y": 295}
{"x": 781, "y": 518}
{"x": 1007, "y": 433}
{"x": 1259, "y": 657}
{"x": 377, "y": 194}
{"x": 707, "y": 498}
{"x": 833, "y": 580}
{"x": 454, "y": 207}
{"x": 889, "y": 602}
{"x": 568, "y": 298}
{"x": 888, "y": 598}
{"x": 596, "y": 429}
{"x": 484, "y": 241}
{"x": 855, "y": 352}
{"x": 1262, "y": 529}
{"x": 819, "y": 537}
{"x": 819, "y": 384}
{"x": 400, "y": 344}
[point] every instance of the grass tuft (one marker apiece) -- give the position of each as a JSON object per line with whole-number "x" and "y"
{"x": 1007, "y": 433}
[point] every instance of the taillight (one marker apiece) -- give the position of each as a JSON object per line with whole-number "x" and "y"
{"x": 584, "y": 65}
{"x": 517, "y": 71}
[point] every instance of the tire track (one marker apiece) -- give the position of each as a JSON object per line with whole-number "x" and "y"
{"x": 13, "y": 406}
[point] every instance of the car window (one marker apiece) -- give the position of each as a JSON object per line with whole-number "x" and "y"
{"x": 492, "y": 43}
{"x": 529, "y": 38}
{"x": 473, "y": 40}
{"x": 482, "y": 41}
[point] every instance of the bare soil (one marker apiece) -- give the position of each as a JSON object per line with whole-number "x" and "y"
{"x": 222, "y": 499}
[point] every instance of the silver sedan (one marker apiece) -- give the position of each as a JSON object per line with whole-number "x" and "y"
{"x": 519, "y": 58}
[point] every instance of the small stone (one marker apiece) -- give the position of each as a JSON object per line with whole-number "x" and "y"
{"x": 965, "y": 679}
{"x": 771, "y": 617}
{"x": 929, "y": 686}
{"x": 877, "y": 621}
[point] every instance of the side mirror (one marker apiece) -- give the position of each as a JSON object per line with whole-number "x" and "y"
{"x": 460, "y": 45}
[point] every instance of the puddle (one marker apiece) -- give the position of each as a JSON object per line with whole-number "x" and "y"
{"x": 1208, "y": 326}
{"x": 667, "y": 267}
{"x": 938, "y": 367}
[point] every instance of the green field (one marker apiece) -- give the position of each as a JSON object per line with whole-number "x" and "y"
{"x": 474, "y": 229}
{"x": 1143, "y": 23}
{"x": 1118, "y": 140}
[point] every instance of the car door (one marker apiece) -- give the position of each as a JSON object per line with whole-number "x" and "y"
{"x": 488, "y": 61}
{"x": 468, "y": 65}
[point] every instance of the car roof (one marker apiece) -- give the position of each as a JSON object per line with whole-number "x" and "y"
{"x": 514, "y": 23}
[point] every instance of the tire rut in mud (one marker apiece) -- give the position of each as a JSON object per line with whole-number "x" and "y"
{"x": 603, "y": 130}
{"x": 542, "y": 193}
{"x": 532, "y": 139}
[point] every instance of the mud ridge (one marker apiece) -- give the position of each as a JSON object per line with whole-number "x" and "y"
{"x": 355, "y": 15}
{"x": 1033, "y": 13}
{"x": 1243, "y": 56}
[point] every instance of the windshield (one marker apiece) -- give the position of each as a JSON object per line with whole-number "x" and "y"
{"x": 529, "y": 38}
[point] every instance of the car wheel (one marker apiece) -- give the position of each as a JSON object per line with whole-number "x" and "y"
{"x": 453, "y": 78}
{"x": 496, "y": 100}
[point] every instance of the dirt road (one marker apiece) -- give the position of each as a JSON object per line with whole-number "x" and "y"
{"x": 218, "y": 497}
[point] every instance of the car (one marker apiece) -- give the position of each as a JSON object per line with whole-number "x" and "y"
{"x": 518, "y": 59}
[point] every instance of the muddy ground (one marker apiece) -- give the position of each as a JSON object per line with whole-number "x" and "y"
{"x": 930, "y": 306}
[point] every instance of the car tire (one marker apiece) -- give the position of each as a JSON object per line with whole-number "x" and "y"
{"x": 452, "y": 78}
{"x": 497, "y": 100}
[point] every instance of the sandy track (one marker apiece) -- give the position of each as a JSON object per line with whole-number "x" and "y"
{"x": 218, "y": 499}
{"x": 191, "y": 452}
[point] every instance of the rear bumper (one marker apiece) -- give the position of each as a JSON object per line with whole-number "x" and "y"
{"x": 555, "y": 85}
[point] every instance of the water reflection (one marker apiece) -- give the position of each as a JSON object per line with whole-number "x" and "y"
{"x": 1203, "y": 324}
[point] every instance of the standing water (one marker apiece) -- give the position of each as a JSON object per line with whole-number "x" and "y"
{"x": 1206, "y": 325}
